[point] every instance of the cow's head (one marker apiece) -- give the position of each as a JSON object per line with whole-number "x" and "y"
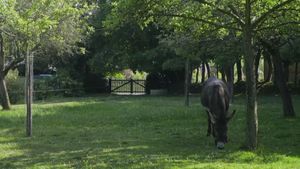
{"x": 219, "y": 128}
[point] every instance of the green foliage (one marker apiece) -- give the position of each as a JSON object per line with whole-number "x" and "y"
{"x": 156, "y": 81}
{"x": 44, "y": 87}
{"x": 291, "y": 50}
{"x": 183, "y": 44}
{"x": 136, "y": 75}
{"x": 95, "y": 83}
{"x": 47, "y": 29}
{"x": 172, "y": 80}
{"x": 227, "y": 50}
{"x": 143, "y": 132}
{"x": 57, "y": 86}
{"x": 239, "y": 87}
{"x": 139, "y": 75}
{"x": 15, "y": 86}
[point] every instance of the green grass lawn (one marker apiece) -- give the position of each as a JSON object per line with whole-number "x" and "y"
{"x": 143, "y": 132}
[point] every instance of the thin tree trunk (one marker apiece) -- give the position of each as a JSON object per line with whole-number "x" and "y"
{"x": 230, "y": 80}
{"x": 296, "y": 74}
{"x": 288, "y": 109}
{"x": 197, "y": 75}
{"x": 267, "y": 58}
{"x": 281, "y": 83}
{"x": 251, "y": 115}
{"x": 286, "y": 70}
{"x": 5, "y": 102}
{"x": 257, "y": 59}
{"x": 203, "y": 73}
{"x": 239, "y": 70}
{"x": 208, "y": 69}
{"x": 217, "y": 72}
{"x": 223, "y": 74}
{"x": 187, "y": 82}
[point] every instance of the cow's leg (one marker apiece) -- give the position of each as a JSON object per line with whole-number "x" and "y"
{"x": 209, "y": 124}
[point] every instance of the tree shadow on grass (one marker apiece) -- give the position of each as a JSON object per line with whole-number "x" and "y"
{"x": 123, "y": 134}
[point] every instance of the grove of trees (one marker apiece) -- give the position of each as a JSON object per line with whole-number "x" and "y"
{"x": 166, "y": 38}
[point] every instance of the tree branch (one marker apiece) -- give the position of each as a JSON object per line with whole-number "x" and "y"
{"x": 278, "y": 25}
{"x": 7, "y": 33}
{"x": 14, "y": 64}
{"x": 233, "y": 13}
{"x": 199, "y": 19}
{"x": 269, "y": 12}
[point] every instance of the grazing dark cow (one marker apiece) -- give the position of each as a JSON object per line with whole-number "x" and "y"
{"x": 215, "y": 98}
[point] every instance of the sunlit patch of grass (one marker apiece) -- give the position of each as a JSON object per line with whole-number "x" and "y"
{"x": 143, "y": 132}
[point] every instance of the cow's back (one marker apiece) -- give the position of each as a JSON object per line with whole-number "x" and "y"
{"x": 215, "y": 96}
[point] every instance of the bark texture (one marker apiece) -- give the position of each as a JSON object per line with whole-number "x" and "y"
{"x": 5, "y": 102}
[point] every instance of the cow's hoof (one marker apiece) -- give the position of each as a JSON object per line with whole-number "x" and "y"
{"x": 220, "y": 145}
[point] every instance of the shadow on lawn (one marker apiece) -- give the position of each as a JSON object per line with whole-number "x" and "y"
{"x": 122, "y": 136}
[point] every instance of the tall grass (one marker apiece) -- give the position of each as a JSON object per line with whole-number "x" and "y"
{"x": 143, "y": 132}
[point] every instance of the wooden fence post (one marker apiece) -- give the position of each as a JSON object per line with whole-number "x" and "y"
{"x": 109, "y": 84}
{"x": 29, "y": 92}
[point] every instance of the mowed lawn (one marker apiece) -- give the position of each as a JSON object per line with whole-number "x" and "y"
{"x": 144, "y": 132}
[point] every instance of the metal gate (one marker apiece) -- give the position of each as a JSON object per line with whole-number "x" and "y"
{"x": 127, "y": 86}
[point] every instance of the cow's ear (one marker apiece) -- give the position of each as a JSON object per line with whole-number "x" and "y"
{"x": 230, "y": 115}
{"x": 211, "y": 117}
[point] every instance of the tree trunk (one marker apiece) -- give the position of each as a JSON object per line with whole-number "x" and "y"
{"x": 217, "y": 72}
{"x": 257, "y": 59}
{"x": 230, "y": 80}
{"x": 288, "y": 109}
{"x": 197, "y": 75}
{"x": 187, "y": 82}
{"x": 280, "y": 79}
{"x": 208, "y": 69}
{"x": 251, "y": 115}
{"x": 5, "y": 102}
{"x": 286, "y": 70}
{"x": 223, "y": 74}
{"x": 239, "y": 70}
{"x": 296, "y": 75}
{"x": 267, "y": 58}
{"x": 203, "y": 73}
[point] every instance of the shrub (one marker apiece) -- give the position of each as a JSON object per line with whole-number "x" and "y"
{"x": 95, "y": 83}
{"x": 59, "y": 85}
{"x": 195, "y": 88}
{"x": 239, "y": 87}
{"x": 155, "y": 81}
{"x": 44, "y": 87}
{"x": 15, "y": 86}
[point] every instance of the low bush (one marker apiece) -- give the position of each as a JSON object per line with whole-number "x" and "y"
{"x": 15, "y": 86}
{"x": 95, "y": 83}
{"x": 155, "y": 81}
{"x": 239, "y": 87}
{"x": 58, "y": 85}
{"x": 44, "y": 87}
{"x": 195, "y": 88}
